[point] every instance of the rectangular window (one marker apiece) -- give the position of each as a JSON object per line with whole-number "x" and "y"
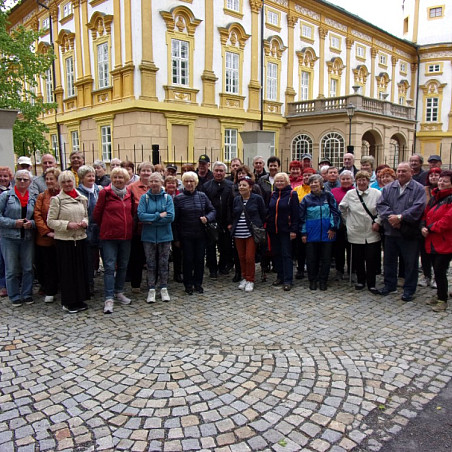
{"x": 45, "y": 24}
{"x": 49, "y": 86}
{"x": 431, "y": 113}
{"x": 360, "y": 51}
{"x": 234, "y": 5}
{"x": 435, "y": 12}
{"x": 401, "y": 100}
{"x": 75, "y": 141}
{"x": 180, "y": 61}
{"x": 230, "y": 144}
{"x": 54, "y": 144}
{"x": 305, "y": 81}
{"x": 272, "y": 81}
{"x": 105, "y": 132}
{"x": 232, "y": 72}
{"x": 383, "y": 59}
{"x": 333, "y": 87}
{"x": 272, "y": 18}
{"x": 405, "y": 25}
{"x": 306, "y": 31}
{"x": 434, "y": 68}
{"x": 67, "y": 9}
{"x": 103, "y": 65}
{"x": 335, "y": 42}
{"x": 70, "y": 87}
{"x": 403, "y": 67}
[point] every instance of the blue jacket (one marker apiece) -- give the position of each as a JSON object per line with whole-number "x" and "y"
{"x": 318, "y": 215}
{"x": 282, "y": 213}
{"x": 92, "y": 231}
{"x": 156, "y": 229}
{"x": 255, "y": 208}
{"x": 10, "y": 211}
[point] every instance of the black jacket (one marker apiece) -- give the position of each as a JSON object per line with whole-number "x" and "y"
{"x": 266, "y": 187}
{"x": 218, "y": 193}
{"x": 255, "y": 208}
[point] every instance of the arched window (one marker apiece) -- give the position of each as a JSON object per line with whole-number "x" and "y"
{"x": 301, "y": 144}
{"x": 332, "y": 148}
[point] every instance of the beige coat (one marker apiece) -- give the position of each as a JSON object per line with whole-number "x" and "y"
{"x": 64, "y": 209}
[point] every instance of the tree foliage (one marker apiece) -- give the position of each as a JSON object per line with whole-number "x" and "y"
{"x": 20, "y": 68}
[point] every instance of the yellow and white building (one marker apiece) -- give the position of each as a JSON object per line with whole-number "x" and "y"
{"x": 186, "y": 75}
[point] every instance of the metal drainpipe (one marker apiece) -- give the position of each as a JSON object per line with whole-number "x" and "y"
{"x": 416, "y": 107}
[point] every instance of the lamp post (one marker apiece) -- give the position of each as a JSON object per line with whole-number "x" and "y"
{"x": 350, "y": 109}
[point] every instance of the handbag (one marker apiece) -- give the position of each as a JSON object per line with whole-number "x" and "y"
{"x": 259, "y": 234}
{"x": 212, "y": 231}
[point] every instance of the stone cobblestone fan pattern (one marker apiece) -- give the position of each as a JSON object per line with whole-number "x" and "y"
{"x": 223, "y": 371}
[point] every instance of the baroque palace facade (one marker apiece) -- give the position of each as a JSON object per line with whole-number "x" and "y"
{"x": 186, "y": 75}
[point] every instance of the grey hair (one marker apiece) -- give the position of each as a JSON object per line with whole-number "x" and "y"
{"x": 23, "y": 172}
{"x": 419, "y": 156}
{"x": 316, "y": 177}
{"x": 347, "y": 173}
{"x": 157, "y": 175}
{"x": 368, "y": 159}
{"x": 257, "y": 157}
{"x": 191, "y": 174}
{"x": 84, "y": 170}
{"x": 218, "y": 163}
{"x": 100, "y": 163}
{"x": 66, "y": 175}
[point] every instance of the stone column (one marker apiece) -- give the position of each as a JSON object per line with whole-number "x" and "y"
{"x": 373, "y": 55}
{"x": 348, "y": 43}
{"x": 254, "y": 86}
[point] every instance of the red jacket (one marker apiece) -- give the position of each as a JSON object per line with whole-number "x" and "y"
{"x": 114, "y": 215}
{"x": 438, "y": 220}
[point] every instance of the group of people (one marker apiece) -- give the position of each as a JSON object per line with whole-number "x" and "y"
{"x": 145, "y": 220}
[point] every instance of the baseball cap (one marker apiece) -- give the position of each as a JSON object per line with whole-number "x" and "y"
{"x": 24, "y": 161}
{"x": 171, "y": 166}
{"x": 306, "y": 156}
{"x": 204, "y": 158}
{"x": 434, "y": 158}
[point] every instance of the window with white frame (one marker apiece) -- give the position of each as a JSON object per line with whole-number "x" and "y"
{"x": 103, "y": 65}
{"x": 403, "y": 67}
{"x": 54, "y": 144}
{"x": 306, "y": 31}
{"x": 75, "y": 141}
{"x": 272, "y": 81}
{"x": 49, "y": 86}
{"x": 301, "y": 144}
{"x": 383, "y": 59}
{"x": 105, "y": 134}
{"x": 67, "y": 10}
{"x": 360, "y": 51}
{"x": 431, "y": 112}
{"x": 45, "y": 24}
{"x": 401, "y": 100}
{"x": 70, "y": 76}
{"x": 332, "y": 148}
{"x": 304, "y": 85}
{"x": 232, "y": 73}
{"x": 434, "y": 12}
{"x": 230, "y": 144}
{"x": 180, "y": 61}
{"x": 272, "y": 18}
{"x": 333, "y": 87}
{"x": 335, "y": 42}
{"x": 434, "y": 68}
{"x": 233, "y": 5}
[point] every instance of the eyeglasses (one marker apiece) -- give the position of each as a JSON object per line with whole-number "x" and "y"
{"x": 21, "y": 179}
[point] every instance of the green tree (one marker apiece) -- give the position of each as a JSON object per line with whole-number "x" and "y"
{"x": 20, "y": 68}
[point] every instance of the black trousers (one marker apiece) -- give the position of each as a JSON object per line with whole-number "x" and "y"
{"x": 136, "y": 262}
{"x": 318, "y": 260}
{"x": 365, "y": 258}
{"x": 339, "y": 247}
{"x": 440, "y": 266}
{"x": 48, "y": 272}
{"x": 193, "y": 251}
{"x": 224, "y": 245}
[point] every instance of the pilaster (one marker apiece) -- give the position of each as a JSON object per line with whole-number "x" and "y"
{"x": 208, "y": 77}
{"x": 348, "y": 44}
{"x": 323, "y": 32}
{"x": 290, "y": 91}
{"x": 393, "y": 76}
{"x": 147, "y": 67}
{"x": 254, "y": 86}
{"x": 373, "y": 55}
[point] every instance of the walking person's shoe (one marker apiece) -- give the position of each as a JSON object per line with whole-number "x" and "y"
{"x": 164, "y": 294}
{"x": 407, "y": 297}
{"x": 424, "y": 281}
{"x": 249, "y": 287}
{"x": 49, "y": 299}
{"x": 189, "y": 290}
{"x": 242, "y": 284}
{"x": 432, "y": 301}
{"x": 287, "y": 287}
{"x": 440, "y": 306}
{"x": 122, "y": 298}
{"x": 151, "y": 296}
{"x": 312, "y": 285}
{"x": 359, "y": 286}
{"x": 374, "y": 290}
{"x": 16, "y": 303}
{"x": 199, "y": 289}
{"x": 108, "y": 308}
{"x": 29, "y": 300}
{"x": 70, "y": 310}
{"x": 323, "y": 285}
{"x": 384, "y": 292}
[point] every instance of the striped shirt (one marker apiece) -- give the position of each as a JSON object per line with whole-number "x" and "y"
{"x": 242, "y": 231}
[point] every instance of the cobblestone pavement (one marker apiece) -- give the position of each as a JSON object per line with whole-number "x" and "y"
{"x": 224, "y": 371}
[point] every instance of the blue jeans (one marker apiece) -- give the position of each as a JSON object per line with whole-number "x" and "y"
{"x": 409, "y": 250}
{"x": 282, "y": 253}
{"x": 18, "y": 256}
{"x": 2, "y": 271}
{"x": 115, "y": 254}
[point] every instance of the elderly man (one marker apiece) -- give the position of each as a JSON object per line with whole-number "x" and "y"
{"x": 25, "y": 163}
{"x": 39, "y": 183}
{"x": 419, "y": 175}
{"x": 259, "y": 167}
{"x": 218, "y": 190}
{"x": 349, "y": 164}
{"x": 434, "y": 161}
{"x": 306, "y": 160}
{"x": 332, "y": 178}
{"x": 77, "y": 160}
{"x": 203, "y": 171}
{"x": 400, "y": 206}
{"x": 115, "y": 163}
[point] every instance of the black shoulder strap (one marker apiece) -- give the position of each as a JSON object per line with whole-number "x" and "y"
{"x": 365, "y": 207}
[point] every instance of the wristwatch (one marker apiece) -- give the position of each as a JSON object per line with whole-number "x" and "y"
{"x": 399, "y": 217}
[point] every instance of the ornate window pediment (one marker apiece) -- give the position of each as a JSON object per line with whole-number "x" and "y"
{"x": 274, "y": 47}
{"x": 403, "y": 86}
{"x": 233, "y": 35}
{"x": 433, "y": 87}
{"x": 180, "y": 20}
{"x": 66, "y": 41}
{"x": 100, "y": 24}
{"x": 335, "y": 66}
{"x": 360, "y": 74}
{"x": 383, "y": 80}
{"x": 307, "y": 57}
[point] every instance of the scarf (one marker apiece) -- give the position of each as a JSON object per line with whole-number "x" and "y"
{"x": 22, "y": 198}
{"x": 73, "y": 193}
{"x": 120, "y": 192}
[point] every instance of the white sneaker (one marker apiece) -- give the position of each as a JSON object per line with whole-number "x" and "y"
{"x": 49, "y": 299}
{"x": 108, "y": 308}
{"x": 424, "y": 282}
{"x": 433, "y": 284}
{"x": 122, "y": 298}
{"x": 242, "y": 284}
{"x": 249, "y": 287}
{"x": 151, "y": 296}
{"x": 164, "y": 294}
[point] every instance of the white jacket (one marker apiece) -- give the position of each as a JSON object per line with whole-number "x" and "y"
{"x": 356, "y": 219}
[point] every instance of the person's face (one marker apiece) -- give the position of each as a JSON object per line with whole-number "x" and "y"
{"x": 332, "y": 175}
{"x": 324, "y": 174}
{"x": 415, "y": 163}
{"x": 316, "y": 187}
{"x": 5, "y": 178}
{"x": 241, "y": 175}
{"x": 88, "y": 180}
{"x": 130, "y": 171}
{"x": 24, "y": 166}
{"x": 67, "y": 185}
{"x": 435, "y": 164}
{"x": 404, "y": 174}
{"x": 362, "y": 183}
{"x": 114, "y": 165}
{"x": 346, "y": 181}
{"x": 433, "y": 178}
{"x": 155, "y": 184}
{"x": 386, "y": 179}
{"x": 145, "y": 173}
{"x": 258, "y": 165}
{"x": 170, "y": 187}
{"x": 307, "y": 163}
{"x": 244, "y": 188}
{"x": 47, "y": 162}
{"x": 280, "y": 182}
{"x": 170, "y": 172}
{"x": 295, "y": 171}
{"x": 273, "y": 167}
{"x": 444, "y": 183}
{"x": 99, "y": 171}
{"x": 366, "y": 167}
{"x": 348, "y": 161}
{"x": 203, "y": 167}
{"x": 219, "y": 173}
{"x": 306, "y": 177}
{"x": 51, "y": 181}
{"x": 23, "y": 182}
{"x": 189, "y": 184}
{"x": 76, "y": 161}
{"x": 235, "y": 164}
{"x": 119, "y": 181}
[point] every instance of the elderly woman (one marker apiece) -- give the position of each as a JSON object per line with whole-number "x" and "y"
{"x": 114, "y": 213}
{"x": 193, "y": 210}
{"x": 102, "y": 178}
{"x": 247, "y": 208}
{"x": 359, "y": 212}
{"x": 90, "y": 191}
{"x": 367, "y": 164}
{"x": 130, "y": 167}
{"x": 320, "y": 219}
{"x": 156, "y": 213}
{"x": 45, "y": 244}
{"x": 68, "y": 217}
{"x": 282, "y": 227}
{"x": 387, "y": 175}
{"x": 137, "y": 260}
{"x": 16, "y": 229}
{"x": 6, "y": 176}
{"x": 437, "y": 231}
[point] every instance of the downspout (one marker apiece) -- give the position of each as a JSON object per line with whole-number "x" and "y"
{"x": 416, "y": 107}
